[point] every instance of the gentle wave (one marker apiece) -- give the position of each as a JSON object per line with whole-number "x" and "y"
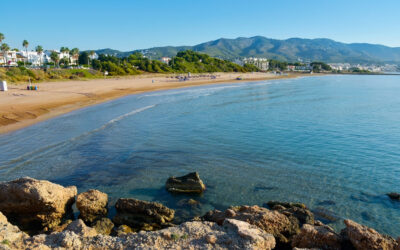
{"x": 30, "y": 156}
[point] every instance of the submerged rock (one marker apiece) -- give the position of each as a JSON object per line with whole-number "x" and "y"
{"x": 92, "y": 205}
{"x": 394, "y": 196}
{"x": 190, "y": 183}
{"x": 363, "y": 237}
{"x": 35, "y": 204}
{"x": 321, "y": 237}
{"x": 142, "y": 215}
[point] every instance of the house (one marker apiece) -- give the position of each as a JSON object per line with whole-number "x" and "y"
{"x": 261, "y": 63}
{"x": 8, "y": 58}
{"x": 165, "y": 60}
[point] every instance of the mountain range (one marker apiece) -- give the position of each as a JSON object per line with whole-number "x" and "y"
{"x": 291, "y": 50}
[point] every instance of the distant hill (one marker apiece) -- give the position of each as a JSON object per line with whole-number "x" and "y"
{"x": 292, "y": 49}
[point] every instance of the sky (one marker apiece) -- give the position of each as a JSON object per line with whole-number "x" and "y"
{"x": 129, "y": 25}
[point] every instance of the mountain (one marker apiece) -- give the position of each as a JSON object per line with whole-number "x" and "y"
{"x": 292, "y": 50}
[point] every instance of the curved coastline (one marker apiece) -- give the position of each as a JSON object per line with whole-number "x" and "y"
{"x": 20, "y": 108}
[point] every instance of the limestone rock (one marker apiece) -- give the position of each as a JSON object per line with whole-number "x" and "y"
{"x": 189, "y": 235}
{"x": 363, "y": 237}
{"x": 272, "y": 222}
{"x": 35, "y": 204}
{"x": 261, "y": 239}
{"x": 92, "y": 205}
{"x": 80, "y": 228}
{"x": 294, "y": 211}
{"x": 322, "y": 237}
{"x": 122, "y": 230}
{"x": 190, "y": 183}
{"x": 10, "y": 235}
{"x": 142, "y": 215}
{"x": 103, "y": 226}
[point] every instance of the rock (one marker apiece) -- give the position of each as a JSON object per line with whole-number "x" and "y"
{"x": 62, "y": 226}
{"x": 294, "y": 211}
{"x": 271, "y": 204}
{"x": 142, "y": 215}
{"x": 189, "y": 235}
{"x": 394, "y": 196}
{"x": 252, "y": 233}
{"x": 122, "y": 230}
{"x": 79, "y": 228}
{"x": 325, "y": 215}
{"x": 211, "y": 239}
{"x": 322, "y": 237}
{"x": 35, "y": 204}
{"x": 272, "y": 222}
{"x": 190, "y": 183}
{"x": 92, "y": 205}
{"x": 10, "y": 236}
{"x": 103, "y": 226}
{"x": 363, "y": 237}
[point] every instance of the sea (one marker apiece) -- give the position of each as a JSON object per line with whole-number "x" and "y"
{"x": 331, "y": 142}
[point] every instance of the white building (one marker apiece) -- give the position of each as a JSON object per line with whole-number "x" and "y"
{"x": 261, "y": 63}
{"x": 8, "y": 58}
{"x": 165, "y": 60}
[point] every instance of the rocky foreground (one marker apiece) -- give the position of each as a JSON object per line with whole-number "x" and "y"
{"x": 36, "y": 214}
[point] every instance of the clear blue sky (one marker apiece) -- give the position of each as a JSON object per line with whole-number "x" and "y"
{"x": 128, "y": 25}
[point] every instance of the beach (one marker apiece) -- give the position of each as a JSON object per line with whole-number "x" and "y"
{"x": 20, "y": 108}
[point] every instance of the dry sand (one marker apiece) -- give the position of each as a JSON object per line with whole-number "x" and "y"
{"x": 20, "y": 108}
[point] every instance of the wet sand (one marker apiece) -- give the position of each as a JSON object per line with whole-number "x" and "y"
{"x": 20, "y": 108}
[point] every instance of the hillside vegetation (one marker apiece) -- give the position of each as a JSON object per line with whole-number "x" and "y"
{"x": 289, "y": 50}
{"x": 134, "y": 64}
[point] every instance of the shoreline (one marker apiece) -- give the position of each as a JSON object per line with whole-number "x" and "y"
{"x": 20, "y": 108}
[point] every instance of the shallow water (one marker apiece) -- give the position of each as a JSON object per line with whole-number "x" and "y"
{"x": 331, "y": 142}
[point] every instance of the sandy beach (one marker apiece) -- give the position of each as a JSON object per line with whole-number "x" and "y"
{"x": 20, "y": 108}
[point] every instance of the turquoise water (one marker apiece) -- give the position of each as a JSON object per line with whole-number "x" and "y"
{"x": 331, "y": 142}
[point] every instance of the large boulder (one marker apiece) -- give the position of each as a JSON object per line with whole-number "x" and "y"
{"x": 272, "y": 222}
{"x": 142, "y": 215}
{"x": 92, "y": 205}
{"x": 190, "y": 235}
{"x": 35, "y": 204}
{"x": 321, "y": 237}
{"x": 190, "y": 183}
{"x": 363, "y": 237}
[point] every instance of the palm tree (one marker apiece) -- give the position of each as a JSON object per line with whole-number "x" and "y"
{"x": 39, "y": 50}
{"x": 54, "y": 57}
{"x": 5, "y": 48}
{"x": 64, "y": 50}
{"x": 91, "y": 53}
{"x": 25, "y": 44}
{"x": 1, "y": 37}
{"x": 74, "y": 53}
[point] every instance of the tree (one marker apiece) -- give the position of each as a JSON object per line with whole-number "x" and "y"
{"x": 39, "y": 50}
{"x": 74, "y": 53}
{"x": 4, "y": 48}
{"x": 25, "y": 44}
{"x": 84, "y": 58}
{"x": 54, "y": 57}
{"x": 91, "y": 55}
{"x": 1, "y": 37}
{"x": 66, "y": 51}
